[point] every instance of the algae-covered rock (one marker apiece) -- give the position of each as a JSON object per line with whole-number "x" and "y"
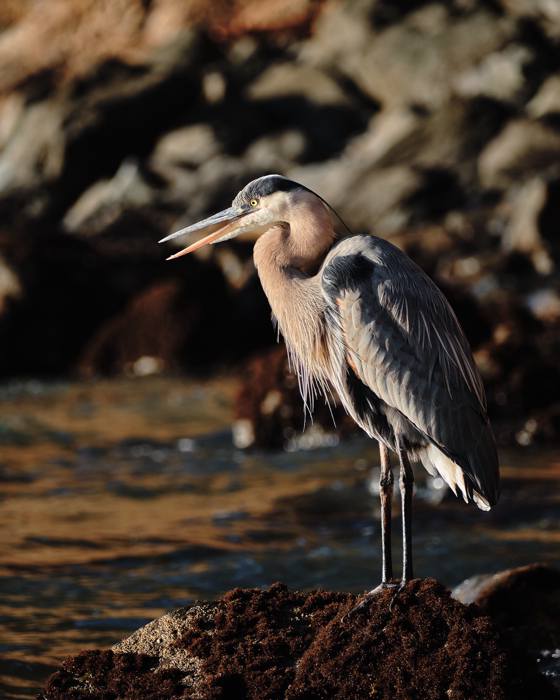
{"x": 276, "y": 643}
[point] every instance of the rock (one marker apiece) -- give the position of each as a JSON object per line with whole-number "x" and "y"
{"x": 104, "y": 675}
{"x": 339, "y": 26}
{"x": 162, "y": 637}
{"x": 372, "y": 199}
{"x": 530, "y": 219}
{"x": 384, "y": 178}
{"x": 276, "y": 153}
{"x": 378, "y": 200}
{"x": 389, "y": 138}
{"x": 269, "y": 410}
{"x": 434, "y": 655}
{"x": 524, "y": 601}
{"x": 10, "y": 287}
{"x": 100, "y": 206}
{"x": 190, "y": 321}
{"x": 522, "y": 148}
{"x": 545, "y": 305}
{"x": 34, "y": 326}
{"x": 87, "y": 130}
{"x": 70, "y": 38}
{"x": 549, "y": 220}
{"x": 519, "y": 393}
{"x": 450, "y": 138}
{"x": 500, "y": 75}
{"x": 11, "y": 111}
{"x": 206, "y": 189}
{"x": 326, "y": 127}
{"x": 547, "y": 100}
{"x": 275, "y": 643}
{"x": 408, "y": 117}
{"x": 290, "y": 78}
{"x": 408, "y": 63}
{"x": 34, "y": 152}
{"x": 253, "y": 16}
{"x": 167, "y": 322}
{"x": 190, "y": 147}
{"x": 545, "y": 12}
{"x": 65, "y": 41}
{"x": 522, "y": 233}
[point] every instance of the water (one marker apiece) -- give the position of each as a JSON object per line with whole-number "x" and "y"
{"x": 123, "y": 499}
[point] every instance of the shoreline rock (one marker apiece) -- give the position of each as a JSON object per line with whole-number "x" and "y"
{"x": 525, "y": 601}
{"x": 434, "y": 125}
{"x": 276, "y": 643}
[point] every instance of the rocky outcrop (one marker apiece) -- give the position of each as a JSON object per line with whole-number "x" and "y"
{"x": 275, "y": 643}
{"x": 434, "y": 124}
{"x": 524, "y": 601}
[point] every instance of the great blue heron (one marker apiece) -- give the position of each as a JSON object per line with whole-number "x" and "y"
{"x": 361, "y": 318}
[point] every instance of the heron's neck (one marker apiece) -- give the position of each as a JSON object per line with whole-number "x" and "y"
{"x": 289, "y": 278}
{"x": 299, "y": 245}
{"x": 288, "y": 257}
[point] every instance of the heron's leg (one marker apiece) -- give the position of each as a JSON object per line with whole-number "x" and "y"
{"x": 406, "y": 483}
{"x": 386, "y": 495}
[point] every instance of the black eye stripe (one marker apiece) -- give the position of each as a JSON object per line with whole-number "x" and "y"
{"x": 269, "y": 184}
{"x": 264, "y": 186}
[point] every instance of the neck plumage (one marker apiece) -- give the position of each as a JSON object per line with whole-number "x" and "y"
{"x": 288, "y": 258}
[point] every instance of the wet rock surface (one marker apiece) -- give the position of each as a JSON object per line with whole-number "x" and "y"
{"x": 525, "y": 601}
{"x": 433, "y": 124}
{"x": 276, "y": 643}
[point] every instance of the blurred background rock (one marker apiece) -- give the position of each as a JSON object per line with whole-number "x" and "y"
{"x": 434, "y": 124}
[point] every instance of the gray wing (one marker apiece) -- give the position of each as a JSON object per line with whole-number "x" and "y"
{"x": 403, "y": 341}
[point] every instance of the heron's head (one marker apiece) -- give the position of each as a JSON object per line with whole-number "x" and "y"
{"x": 263, "y": 203}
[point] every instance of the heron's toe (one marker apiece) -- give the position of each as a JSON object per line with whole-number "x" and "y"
{"x": 398, "y": 589}
{"x": 369, "y": 596}
{"x": 383, "y": 586}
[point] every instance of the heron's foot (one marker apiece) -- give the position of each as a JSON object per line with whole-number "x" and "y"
{"x": 398, "y": 589}
{"x": 369, "y": 596}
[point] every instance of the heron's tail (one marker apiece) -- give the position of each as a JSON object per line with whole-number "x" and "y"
{"x": 436, "y": 462}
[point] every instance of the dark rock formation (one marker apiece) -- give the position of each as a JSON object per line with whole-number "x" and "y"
{"x": 525, "y": 602}
{"x": 269, "y": 411}
{"x": 172, "y": 318}
{"x": 435, "y": 124}
{"x": 276, "y": 643}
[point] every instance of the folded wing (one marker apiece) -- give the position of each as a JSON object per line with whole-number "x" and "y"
{"x": 403, "y": 341}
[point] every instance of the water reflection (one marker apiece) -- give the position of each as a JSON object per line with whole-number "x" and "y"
{"x": 123, "y": 499}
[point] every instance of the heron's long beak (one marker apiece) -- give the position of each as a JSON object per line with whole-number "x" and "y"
{"x": 219, "y": 227}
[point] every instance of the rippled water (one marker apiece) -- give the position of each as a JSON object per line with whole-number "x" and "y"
{"x": 123, "y": 499}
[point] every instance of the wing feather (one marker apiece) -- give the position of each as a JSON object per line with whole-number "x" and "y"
{"x": 405, "y": 344}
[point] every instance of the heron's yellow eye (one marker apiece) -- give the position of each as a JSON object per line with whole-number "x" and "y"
{"x": 253, "y": 202}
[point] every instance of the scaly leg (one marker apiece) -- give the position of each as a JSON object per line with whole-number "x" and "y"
{"x": 406, "y": 483}
{"x": 386, "y": 495}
